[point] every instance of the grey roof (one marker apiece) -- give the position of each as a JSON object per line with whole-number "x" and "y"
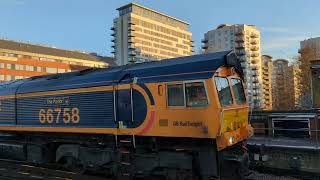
{"x": 38, "y": 49}
{"x": 110, "y": 60}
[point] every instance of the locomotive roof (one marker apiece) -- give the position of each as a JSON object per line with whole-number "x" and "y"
{"x": 181, "y": 68}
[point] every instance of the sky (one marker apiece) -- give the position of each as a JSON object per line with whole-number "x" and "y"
{"x": 85, "y": 24}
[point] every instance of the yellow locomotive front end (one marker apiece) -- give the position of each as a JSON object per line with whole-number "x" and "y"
{"x": 233, "y": 108}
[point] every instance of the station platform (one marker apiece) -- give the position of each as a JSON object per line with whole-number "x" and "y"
{"x": 291, "y": 143}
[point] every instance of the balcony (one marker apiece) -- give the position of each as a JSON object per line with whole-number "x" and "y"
{"x": 204, "y": 46}
{"x": 130, "y": 41}
{"x": 265, "y": 68}
{"x": 113, "y": 52}
{"x": 254, "y": 54}
{"x": 255, "y": 86}
{"x": 239, "y": 33}
{"x": 241, "y": 52}
{"x": 131, "y": 34}
{"x": 244, "y": 66}
{"x": 254, "y": 42}
{"x": 255, "y": 93}
{"x": 131, "y": 28}
{"x": 254, "y": 61}
{"x": 254, "y": 73}
{"x": 113, "y": 46}
{"x": 130, "y": 22}
{"x": 204, "y": 40}
{"x": 112, "y": 28}
{"x": 239, "y": 39}
{"x": 265, "y": 78}
{"x": 240, "y": 46}
{"x": 132, "y": 53}
{"x": 242, "y": 59}
{"x": 113, "y": 40}
{"x": 254, "y": 35}
{"x": 254, "y": 68}
{"x": 254, "y": 48}
{"x": 131, "y": 48}
{"x": 113, "y": 34}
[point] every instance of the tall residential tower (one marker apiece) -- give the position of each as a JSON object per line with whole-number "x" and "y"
{"x": 266, "y": 103}
{"x": 142, "y": 34}
{"x": 245, "y": 41}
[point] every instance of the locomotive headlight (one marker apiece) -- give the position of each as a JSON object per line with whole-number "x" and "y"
{"x": 231, "y": 140}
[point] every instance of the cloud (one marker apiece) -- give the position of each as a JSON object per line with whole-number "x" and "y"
{"x": 282, "y": 42}
{"x": 275, "y": 29}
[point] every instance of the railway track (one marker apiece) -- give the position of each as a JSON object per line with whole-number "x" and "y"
{"x": 20, "y": 170}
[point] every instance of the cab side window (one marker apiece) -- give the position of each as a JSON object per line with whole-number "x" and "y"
{"x": 191, "y": 94}
{"x": 175, "y": 95}
{"x": 196, "y": 95}
{"x": 224, "y": 92}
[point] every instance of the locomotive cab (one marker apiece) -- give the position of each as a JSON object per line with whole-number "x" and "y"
{"x": 233, "y": 106}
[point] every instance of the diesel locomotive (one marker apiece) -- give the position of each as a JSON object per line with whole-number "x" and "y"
{"x": 180, "y": 118}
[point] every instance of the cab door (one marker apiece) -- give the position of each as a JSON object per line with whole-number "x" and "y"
{"x": 124, "y": 107}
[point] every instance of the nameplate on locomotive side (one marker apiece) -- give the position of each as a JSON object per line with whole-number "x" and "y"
{"x": 58, "y": 101}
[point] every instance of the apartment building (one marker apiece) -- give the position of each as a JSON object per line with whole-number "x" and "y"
{"x": 21, "y": 60}
{"x": 245, "y": 41}
{"x": 297, "y": 86}
{"x": 282, "y": 85}
{"x": 141, "y": 34}
{"x": 310, "y": 49}
{"x": 266, "y": 103}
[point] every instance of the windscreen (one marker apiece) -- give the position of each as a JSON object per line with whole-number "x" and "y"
{"x": 224, "y": 92}
{"x": 238, "y": 91}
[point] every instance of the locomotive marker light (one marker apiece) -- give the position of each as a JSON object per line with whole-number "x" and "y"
{"x": 231, "y": 140}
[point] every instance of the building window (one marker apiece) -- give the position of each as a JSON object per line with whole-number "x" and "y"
{"x": 29, "y": 68}
{"x": 19, "y": 67}
{"x": 2, "y": 78}
{"x": 61, "y": 70}
{"x": 175, "y": 95}
{"x": 39, "y": 69}
{"x": 9, "y": 77}
{"x": 51, "y": 70}
{"x": 2, "y": 65}
{"x": 9, "y": 66}
{"x": 18, "y": 77}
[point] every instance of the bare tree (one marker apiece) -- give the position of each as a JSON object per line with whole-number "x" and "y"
{"x": 303, "y": 61}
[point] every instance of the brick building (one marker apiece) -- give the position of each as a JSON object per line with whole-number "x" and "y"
{"x": 21, "y": 60}
{"x": 283, "y": 95}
